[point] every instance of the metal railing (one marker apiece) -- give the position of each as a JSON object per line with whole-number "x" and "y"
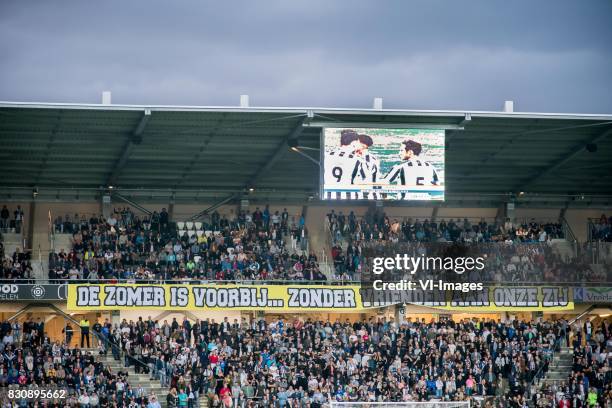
{"x": 119, "y": 353}
{"x": 117, "y": 350}
{"x": 200, "y": 282}
{"x": 51, "y": 234}
{"x": 459, "y": 219}
{"x": 540, "y": 373}
{"x": 592, "y": 224}
{"x": 598, "y": 252}
{"x": 597, "y": 246}
{"x": 592, "y": 249}
{"x": 576, "y": 318}
{"x": 568, "y": 233}
{"x": 346, "y": 236}
{"x": 279, "y": 282}
{"x": 590, "y": 228}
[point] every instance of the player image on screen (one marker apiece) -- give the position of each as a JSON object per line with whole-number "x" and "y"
{"x": 369, "y": 164}
{"x": 350, "y": 164}
{"x": 364, "y": 164}
{"x": 412, "y": 170}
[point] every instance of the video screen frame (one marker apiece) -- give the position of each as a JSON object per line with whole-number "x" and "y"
{"x": 393, "y": 167}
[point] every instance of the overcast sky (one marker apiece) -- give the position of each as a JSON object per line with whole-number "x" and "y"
{"x": 547, "y": 56}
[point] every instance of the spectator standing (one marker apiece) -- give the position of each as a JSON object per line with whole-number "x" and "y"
{"x": 172, "y": 399}
{"x": 182, "y": 398}
{"x": 84, "y": 324}
{"x": 257, "y": 218}
{"x": 266, "y": 216}
{"x": 17, "y": 329}
{"x": 69, "y": 332}
{"x": 18, "y": 219}
{"x": 164, "y": 218}
{"x": 4, "y": 218}
{"x": 284, "y": 220}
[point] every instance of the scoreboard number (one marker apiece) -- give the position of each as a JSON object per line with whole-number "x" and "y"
{"x": 337, "y": 173}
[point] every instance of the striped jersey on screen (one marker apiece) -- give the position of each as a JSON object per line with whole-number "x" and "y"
{"x": 370, "y": 165}
{"x": 343, "y": 168}
{"x": 413, "y": 172}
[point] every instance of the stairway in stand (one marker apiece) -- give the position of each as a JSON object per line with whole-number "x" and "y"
{"x": 137, "y": 380}
{"x": 560, "y": 367}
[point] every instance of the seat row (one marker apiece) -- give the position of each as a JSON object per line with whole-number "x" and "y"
{"x": 188, "y": 225}
{"x": 199, "y": 233}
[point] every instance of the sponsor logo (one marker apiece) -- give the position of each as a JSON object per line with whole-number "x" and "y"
{"x": 593, "y": 295}
{"x": 37, "y": 291}
{"x": 9, "y": 289}
{"x": 579, "y": 294}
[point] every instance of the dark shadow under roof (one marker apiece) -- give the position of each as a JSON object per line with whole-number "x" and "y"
{"x": 210, "y": 152}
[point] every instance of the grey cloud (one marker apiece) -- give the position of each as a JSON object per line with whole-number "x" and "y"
{"x": 547, "y": 56}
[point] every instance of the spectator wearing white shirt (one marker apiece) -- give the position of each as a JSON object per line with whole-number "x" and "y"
{"x": 84, "y": 400}
{"x": 153, "y": 402}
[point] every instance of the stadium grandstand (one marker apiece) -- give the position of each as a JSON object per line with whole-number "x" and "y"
{"x": 179, "y": 256}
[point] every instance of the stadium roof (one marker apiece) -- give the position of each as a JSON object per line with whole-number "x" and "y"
{"x": 211, "y": 153}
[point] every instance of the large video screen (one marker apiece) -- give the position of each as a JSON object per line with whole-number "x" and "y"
{"x": 383, "y": 164}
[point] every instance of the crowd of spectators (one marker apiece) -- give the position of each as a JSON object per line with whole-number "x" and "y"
{"x": 249, "y": 247}
{"x": 590, "y": 381}
{"x": 120, "y": 218}
{"x": 282, "y": 363}
{"x": 30, "y": 360}
{"x": 602, "y": 229}
{"x": 376, "y": 226}
{"x": 528, "y": 263}
{"x": 17, "y": 266}
{"x": 523, "y": 254}
{"x": 252, "y": 246}
{"x": 304, "y": 362}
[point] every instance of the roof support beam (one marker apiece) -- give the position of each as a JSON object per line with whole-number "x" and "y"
{"x": 214, "y": 206}
{"x": 130, "y": 202}
{"x": 567, "y": 157}
{"x": 134, "y": 139}
{"x": 279, "y": 152}
{"x": 54, "y": 133}
{"x": 196, "y": 157}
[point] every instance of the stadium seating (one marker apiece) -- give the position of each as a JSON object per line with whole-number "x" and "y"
{"x": 29, "y": 360}
{"x": 590, "y": 381}
{"x": 242, "y": 249}
{"x": 15, "y": 266}
{"x": 377, "y": 226}
{"x": 125, "y": 247}
{"x": 530, "y": 252}
{"x": 300, "y": 362}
